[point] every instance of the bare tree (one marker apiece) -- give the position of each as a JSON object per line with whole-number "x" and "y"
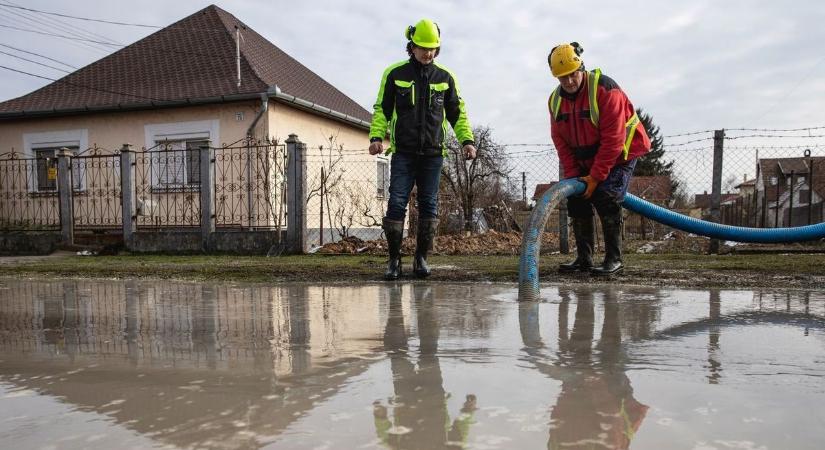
{"x": 472, "y": 181}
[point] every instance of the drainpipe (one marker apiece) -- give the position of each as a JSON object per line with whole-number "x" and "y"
{"x": 249, "y": 135}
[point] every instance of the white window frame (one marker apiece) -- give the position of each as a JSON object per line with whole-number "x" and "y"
{"x": 179, "y": 132}
{"x": 78, "y": 138}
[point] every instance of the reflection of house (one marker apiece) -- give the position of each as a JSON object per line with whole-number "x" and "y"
{"x": 790, "y": 190}
{"x": 207, "y": 77}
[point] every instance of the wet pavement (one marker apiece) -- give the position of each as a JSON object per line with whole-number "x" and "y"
{"x": 159, "y": 364}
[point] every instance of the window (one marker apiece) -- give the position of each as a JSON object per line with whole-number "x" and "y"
{"x": 45, "y": 159}
{"x": 383, "y": 178}
{"x": 804, "y": 196}
{"x": 43, "y": 146}
{"x": 773, "y": 181}
{"x": 177, "y": 163}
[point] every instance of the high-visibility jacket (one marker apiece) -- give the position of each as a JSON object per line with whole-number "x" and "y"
{"x": 415, "y": 103}
{"x": 595, "y": 128}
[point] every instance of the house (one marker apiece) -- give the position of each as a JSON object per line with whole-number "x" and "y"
{"x": 790, "y": 191}
{"x": 206, "y": 80}
{"x": 655, "y": 189}
{"x": 701, "y": 203}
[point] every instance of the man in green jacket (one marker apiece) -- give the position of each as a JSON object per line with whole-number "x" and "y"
{"x": 417, "y": 98}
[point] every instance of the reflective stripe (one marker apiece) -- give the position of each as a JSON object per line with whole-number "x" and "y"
{"x": 407, "y": 84}
{"x": 439, "y": 87}
{"x": 592, "y": 90}
{"x": 554, "y": 103}
{"x": 629, "y": 131}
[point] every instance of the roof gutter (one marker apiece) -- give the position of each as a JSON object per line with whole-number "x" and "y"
{"x": 319, "y": 109}
{"x": 273, "y": 92}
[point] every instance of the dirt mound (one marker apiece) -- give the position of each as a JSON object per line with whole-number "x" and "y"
{"x": 489, "y": 243}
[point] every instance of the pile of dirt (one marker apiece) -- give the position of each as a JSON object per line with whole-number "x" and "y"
{"x": 489, "y": 243}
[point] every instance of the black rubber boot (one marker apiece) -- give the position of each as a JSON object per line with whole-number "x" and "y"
{"x": 394, "y": 231}
{"x": 612, "y": 226}
{"x": 424, "y": 243}
{"x": 585, "y": 236}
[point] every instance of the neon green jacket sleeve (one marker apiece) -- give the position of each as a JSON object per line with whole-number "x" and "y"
{"x": 384, "y": 104}
{"x": 456, "y": 111}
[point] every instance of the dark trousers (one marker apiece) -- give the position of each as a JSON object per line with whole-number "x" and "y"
{"x": 406, "y": 170}
{"x": 608, "y": 196}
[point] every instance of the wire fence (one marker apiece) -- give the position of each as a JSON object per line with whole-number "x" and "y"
{"x": 761, "y": 184}
{"x": 762, "y": 177}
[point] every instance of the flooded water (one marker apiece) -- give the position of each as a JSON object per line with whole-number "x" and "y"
{"x": 140, "y": 364}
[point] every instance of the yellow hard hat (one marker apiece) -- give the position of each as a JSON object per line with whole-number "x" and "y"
{"x": 564, "y": 59}
{"x": 424, "y": 34}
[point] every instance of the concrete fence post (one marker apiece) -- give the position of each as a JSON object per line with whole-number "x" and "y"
{"x": 296, "y": 224}
{"x": 207, "y": 174}
{"x": 127, "y": 192}
{"x": 64, "y": 190}
{"x": 716, "y": 192}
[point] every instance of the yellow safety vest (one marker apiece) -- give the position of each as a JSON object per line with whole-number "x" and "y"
{"x": 593, "y": 86}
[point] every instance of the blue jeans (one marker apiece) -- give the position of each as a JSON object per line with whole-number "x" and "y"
{"x": 608, "y": 196}
{"x": 406, "y": 170}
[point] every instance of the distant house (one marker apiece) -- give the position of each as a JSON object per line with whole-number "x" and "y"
{"x": 655, "y": 189}
{"x": 701, "y": 203}
{"x": 789, "y": 191}
{"x": 207, "y": 78}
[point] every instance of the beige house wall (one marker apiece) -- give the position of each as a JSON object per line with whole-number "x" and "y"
{"x": 224, "y": 124}
{"x": 354, "y": 201}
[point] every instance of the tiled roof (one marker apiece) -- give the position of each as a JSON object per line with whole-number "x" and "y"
{"x": 192, "y": 60}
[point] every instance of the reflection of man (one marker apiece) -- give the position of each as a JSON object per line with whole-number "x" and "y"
{"x": 595, "y": 408}
{"x": 420, "y": 418}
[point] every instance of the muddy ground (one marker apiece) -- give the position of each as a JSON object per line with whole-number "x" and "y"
{"x": 493, "y": 257}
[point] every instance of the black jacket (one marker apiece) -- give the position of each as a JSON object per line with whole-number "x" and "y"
{"x": 416, "y": 118}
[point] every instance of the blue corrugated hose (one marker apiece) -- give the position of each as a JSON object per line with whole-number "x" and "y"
{"x": 531, "y": 240}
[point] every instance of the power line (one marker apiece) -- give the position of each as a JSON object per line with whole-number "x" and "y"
{"x": 61, "y": 36}
{"x": 80, "y": 85}
{"x": 80, "y": 18}
{"x": 34, "y": 62}
{"x": 38, "y": 54}
{"x": 38, "y": 24}
{"x": 59, "y": 25}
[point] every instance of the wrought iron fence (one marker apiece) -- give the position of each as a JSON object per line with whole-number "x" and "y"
{"x": 96, "y": 191}
{"x": 250, "y": 185}
{"x": 167, "y": 186}
{"x": 28, "y": 193}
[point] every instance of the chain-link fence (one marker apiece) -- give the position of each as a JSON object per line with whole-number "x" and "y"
{"x": 758, "y": 184}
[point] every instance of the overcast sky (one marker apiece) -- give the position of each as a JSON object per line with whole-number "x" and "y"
{"x": 692, "y": 65}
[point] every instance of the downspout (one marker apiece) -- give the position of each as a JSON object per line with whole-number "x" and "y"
{"x": 249, "y": 136}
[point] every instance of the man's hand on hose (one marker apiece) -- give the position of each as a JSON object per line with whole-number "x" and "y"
{"x": 591, "y": 185}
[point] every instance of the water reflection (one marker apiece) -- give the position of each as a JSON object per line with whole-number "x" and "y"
{"x": 415, "y": 416}
{"x": 596, "y": 407}
{"x": 407, "y": 366}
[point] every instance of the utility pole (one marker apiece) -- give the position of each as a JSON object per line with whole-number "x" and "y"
{"x": 524, "y": 187}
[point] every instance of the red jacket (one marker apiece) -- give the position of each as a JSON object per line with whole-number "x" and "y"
{"x": 573, "y": 131}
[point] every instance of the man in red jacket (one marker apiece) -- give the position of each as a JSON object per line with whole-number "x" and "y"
{"x": 598, "y": 137}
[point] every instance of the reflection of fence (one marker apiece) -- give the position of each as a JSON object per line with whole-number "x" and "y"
{"x": 25, "y": 204}
{"x": 96, "y": 190}
{"x": 167, "y": 187}
{"x": 250, "y": 186}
